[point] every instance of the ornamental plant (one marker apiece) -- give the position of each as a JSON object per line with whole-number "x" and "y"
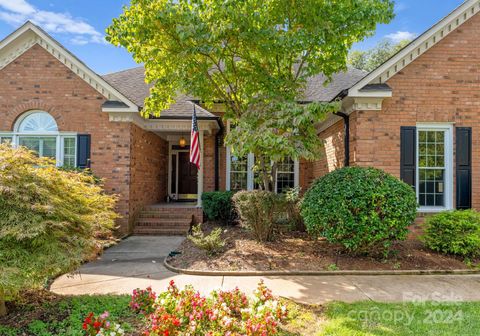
{"x": 51, "y": 220}
{"x": 363, "y": 209}
{"x": 257, "y": 210}
{"x": 211, "y": 243}
{"x": 142, "y": 301}
{"x": 454, "y": 232}
{"x": 100, "y": 326}
{"x": 186, "y": 312}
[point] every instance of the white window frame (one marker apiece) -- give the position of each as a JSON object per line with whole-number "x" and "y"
{"x": 60, "y": 136}
{"x": 250, "y": 173}
{"x": 448, "y": 157}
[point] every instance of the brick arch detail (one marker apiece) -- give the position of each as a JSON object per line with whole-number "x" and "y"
{"x": 19, "y": 110}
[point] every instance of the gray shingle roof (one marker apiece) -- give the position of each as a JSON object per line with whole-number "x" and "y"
{"x": 131, "y": 83}
{"x": 317, "y": 91}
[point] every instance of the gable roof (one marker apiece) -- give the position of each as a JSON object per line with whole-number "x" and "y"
{"x": 131, "y": 83}
{"x": 22, "y": 39}
{"x": 415, "y": 49}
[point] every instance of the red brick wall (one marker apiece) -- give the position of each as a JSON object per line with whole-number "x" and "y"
{"x": 149, "y": 170}
{"x": 442, "y": 85}
{"x": 332, "y": 155}
{"x": 37, "y": 80}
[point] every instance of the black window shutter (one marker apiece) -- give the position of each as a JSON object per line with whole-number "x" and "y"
{"x": 83, "y": 151}
{"x": 408, "y": 155}
{"x": 464, "y": 167}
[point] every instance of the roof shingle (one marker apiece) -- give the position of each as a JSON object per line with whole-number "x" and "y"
{"x": 131, "y": 83}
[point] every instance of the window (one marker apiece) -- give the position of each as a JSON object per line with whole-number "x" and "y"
{"x": 285, "y": 175}
{"x": 238, "y": 173}
{"x": 69, "y": 151}
{"x": 38, "y": 131}
{"x": 434, "y": 161}
{"x": 43, "y": 146}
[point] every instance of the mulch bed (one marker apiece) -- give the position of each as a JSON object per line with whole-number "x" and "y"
{"x": 295, "y": 251}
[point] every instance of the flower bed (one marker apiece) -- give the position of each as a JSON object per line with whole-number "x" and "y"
{"x": 295, "y": 251}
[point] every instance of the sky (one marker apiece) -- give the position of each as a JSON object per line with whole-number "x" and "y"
{"x": 80, "y": 25}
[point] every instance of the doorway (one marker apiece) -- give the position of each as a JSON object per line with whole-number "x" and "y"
{"x": 184, "y": 176}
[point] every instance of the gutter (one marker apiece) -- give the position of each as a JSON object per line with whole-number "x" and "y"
{"x": 346, "y": 139}
{"x": 218, "y": 143}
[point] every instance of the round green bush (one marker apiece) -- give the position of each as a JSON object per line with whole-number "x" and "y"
{"x": 454, "y": 232}
{"x": 363, "y": 209}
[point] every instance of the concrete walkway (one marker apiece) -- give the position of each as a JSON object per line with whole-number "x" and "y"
{"x": 137, "y": 262}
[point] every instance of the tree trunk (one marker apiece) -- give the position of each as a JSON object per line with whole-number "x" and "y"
{"x": 3, "y": 308}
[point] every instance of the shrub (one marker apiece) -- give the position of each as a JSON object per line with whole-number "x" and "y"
{"x": 363, "y": 209}
{"x": 257, "y": 210}
{"x": 288, "y": 209}
{"x": 186, "y": 312}
{"x": 454, "y": 232}
{"x": 211, "y": 243}
{"x": 218, "y": 206}
{"x": 51, "y": 220}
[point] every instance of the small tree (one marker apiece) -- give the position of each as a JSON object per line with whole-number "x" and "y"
{"x": 371, "y": 59}
{"x": 253, "y": 55}
{"x": 51, "y": 220}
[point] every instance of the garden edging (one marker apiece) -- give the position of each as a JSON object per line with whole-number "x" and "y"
{"x": 315, "y": 273}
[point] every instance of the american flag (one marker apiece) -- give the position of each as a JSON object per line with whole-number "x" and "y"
{"x": 194, "y": 141}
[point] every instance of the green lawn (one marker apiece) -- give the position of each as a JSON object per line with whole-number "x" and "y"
{"x": 63, "y": 316}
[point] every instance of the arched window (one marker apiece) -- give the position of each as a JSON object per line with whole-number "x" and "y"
{"x": 38, "y": 131}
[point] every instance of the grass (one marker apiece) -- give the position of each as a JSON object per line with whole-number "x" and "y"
{"x": 63, "y": 316}
{"x": 382, "y": 319}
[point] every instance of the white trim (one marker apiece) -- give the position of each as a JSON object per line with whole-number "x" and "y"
{"x": 29, "y": 34}
{"x": 448, "y": 129}
{"x": 419, "y": 46}
{"x": 200, "y": 171}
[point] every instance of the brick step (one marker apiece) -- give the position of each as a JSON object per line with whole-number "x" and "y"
{"x": 171, "y": 215}
{"x": 165, "y": 232}
{"x": 172, "y": 209}
{"x": 162, "y": 221}
{"x": 163, "y": 225}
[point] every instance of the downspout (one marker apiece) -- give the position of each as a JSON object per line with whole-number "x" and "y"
{"x": 346, "y": 140}
{"x": 218, "y": 143}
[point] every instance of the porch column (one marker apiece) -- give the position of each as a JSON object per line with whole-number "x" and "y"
{"x": 200, "y": 171}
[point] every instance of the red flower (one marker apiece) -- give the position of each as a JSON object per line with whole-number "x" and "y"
{"x": 97, "y": 325}
{"x": 84, "y": 326}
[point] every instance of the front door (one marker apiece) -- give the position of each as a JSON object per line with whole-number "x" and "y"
{"x": 187, "y": 177}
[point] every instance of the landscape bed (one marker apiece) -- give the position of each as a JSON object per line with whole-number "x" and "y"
{"x": 295, "y": 251}
{"x": 46, "y": 314}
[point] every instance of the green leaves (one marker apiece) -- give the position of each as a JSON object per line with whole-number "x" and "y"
{"x": 253, "y": 55}
{"x": 364, "y": 209}
{"x": 50, "y": 219}
{"x": 241, "y": 52}
{"x": 454, "y": 232}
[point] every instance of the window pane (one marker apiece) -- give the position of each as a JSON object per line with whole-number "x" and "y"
{"x": 31, "y": 143}
{"x": 69, "y": 152}
{"x": 49, "y": 147}
{"x": 43, "y": 146}
{"x": 285, "y": 175}
{"x": 431, "y": 163}
{"x": 5, "y": 139}
{"x": 238, "y": 173}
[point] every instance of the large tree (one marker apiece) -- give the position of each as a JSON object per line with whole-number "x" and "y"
{"x": 253, "y": 55}
{"x": 371, "y": 59}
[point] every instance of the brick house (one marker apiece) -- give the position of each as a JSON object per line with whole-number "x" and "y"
{"x": 414, "y": 117}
